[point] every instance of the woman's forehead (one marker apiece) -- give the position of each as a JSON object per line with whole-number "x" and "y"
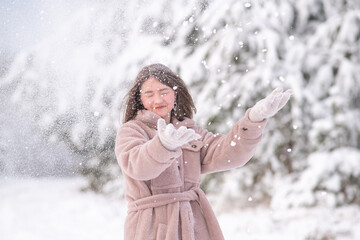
{"x": 153, "y": 84}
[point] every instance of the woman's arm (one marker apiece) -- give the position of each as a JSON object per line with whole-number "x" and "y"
{"x": 139, "y": 157}
{"x": 223, "y": 152}
{"x": 235, "y": 149}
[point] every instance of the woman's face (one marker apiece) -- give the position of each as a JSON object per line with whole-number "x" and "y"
{"x": 158, "y": 98}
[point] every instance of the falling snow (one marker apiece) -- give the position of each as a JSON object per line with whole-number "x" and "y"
{"x": 72, "y": 84}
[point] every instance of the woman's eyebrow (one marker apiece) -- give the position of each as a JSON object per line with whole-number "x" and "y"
{"x": 160, "y": 90}
{"x": 148, "y": 91}
{"x": 164, "y": 89}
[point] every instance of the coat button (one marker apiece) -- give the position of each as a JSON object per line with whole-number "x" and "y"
{"x": 193, "y": 146}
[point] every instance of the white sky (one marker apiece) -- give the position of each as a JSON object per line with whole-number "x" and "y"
{"x": 25, "y": 22}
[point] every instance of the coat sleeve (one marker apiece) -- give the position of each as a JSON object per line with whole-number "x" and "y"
{"x": 224, "y": 152}
{"x": 140, "y": 157}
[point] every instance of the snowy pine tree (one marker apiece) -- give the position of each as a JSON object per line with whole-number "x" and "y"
{"x": 251, "y": 48}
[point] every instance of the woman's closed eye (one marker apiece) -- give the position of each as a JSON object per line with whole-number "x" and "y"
{"x": 151, "y": 94}
{"x": 148, "y": 94}
{"x": 164, "y": 93}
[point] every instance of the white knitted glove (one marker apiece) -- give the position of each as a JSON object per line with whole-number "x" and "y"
{"x": 270, "y": 105}
{"x": 171, "y": 138}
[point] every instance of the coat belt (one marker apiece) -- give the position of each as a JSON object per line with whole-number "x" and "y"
{"x": 194, "y": 194}
{"x": 164, "y": 199}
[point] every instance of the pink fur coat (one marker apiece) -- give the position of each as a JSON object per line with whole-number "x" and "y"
{"x": 163, "y": 187}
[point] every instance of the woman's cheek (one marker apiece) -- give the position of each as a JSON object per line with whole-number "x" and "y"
{"x": 147, "y": 104}
{"x": 170, "y": 100}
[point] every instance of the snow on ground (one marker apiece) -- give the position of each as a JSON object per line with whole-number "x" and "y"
{"x": 54, "y": 208}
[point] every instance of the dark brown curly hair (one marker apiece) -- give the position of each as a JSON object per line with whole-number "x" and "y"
{"x": 184, "y": 102}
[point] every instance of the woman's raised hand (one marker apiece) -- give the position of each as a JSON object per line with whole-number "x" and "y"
{"x": 171, "y": 138}
{"x": 270, "y": 105}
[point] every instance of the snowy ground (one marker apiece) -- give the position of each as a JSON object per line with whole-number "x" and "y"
{"x": 53, "y": 208}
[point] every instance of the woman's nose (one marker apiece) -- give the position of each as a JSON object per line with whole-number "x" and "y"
{"x": 158, "y": 97}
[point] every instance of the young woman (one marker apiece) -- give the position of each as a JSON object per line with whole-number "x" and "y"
{"x": 162, "y": 154}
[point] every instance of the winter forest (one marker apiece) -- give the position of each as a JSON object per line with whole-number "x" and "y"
{"x": 61, "y": 104}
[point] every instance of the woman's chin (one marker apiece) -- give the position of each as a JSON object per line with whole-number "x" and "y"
{"x": 161, "y": 112}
